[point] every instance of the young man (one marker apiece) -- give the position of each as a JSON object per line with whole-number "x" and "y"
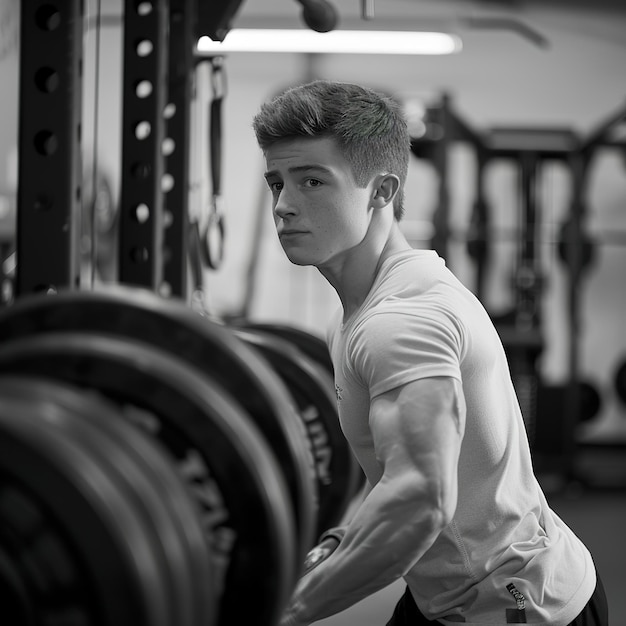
{"x": 424, "y": 392}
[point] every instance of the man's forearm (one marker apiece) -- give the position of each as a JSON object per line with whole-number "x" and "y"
{"x": 388, "y": 534}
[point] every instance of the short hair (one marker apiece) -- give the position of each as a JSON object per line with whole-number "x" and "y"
{"x": 368, "y": 126}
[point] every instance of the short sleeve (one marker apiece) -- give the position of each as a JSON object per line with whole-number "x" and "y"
{"x": 390, "y": 349}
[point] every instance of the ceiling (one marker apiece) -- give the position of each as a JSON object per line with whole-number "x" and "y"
{"x": 529, "y": 61}
{"x": 602, "y": 18}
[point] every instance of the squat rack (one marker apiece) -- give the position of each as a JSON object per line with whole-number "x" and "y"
{"x": 529, "y": 148}
{"x": 156, "y": 238}
{"x": 158, "y": 64}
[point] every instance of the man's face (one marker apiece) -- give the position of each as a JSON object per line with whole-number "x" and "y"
{"x": 319, "y": 211}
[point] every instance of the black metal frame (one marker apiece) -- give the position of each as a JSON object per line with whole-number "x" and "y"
{"x": 157, "y": 88}
{"x": 144, "y": 91}
{"x": 521, "y": 331}
{"x": 180, "y": 78}
{"x": 49, "y": 187}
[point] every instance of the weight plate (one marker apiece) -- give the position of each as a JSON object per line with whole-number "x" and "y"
{"x": 74, "y": 546}
{"x": 218, "y": 450}
{"x": 336, "y": 470}
{"x": 146, "y": 475}
{"x": 312, "y": 345}
{"x": 170, "y": 325}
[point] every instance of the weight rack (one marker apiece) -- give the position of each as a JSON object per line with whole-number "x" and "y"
{"x": 157, "y": 89}
{"x": 529, "y": 148}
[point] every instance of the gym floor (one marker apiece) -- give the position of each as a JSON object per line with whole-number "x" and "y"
{"x": 598, "y": 516}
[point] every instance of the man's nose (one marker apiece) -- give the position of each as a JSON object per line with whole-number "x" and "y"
{"x": 284, "y": 203}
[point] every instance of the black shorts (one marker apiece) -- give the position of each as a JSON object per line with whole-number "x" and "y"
{"x": 595, "y": 613}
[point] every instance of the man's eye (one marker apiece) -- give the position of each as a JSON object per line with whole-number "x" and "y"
{"x": 275, "y": 187}
{"x": 312, "y": 182}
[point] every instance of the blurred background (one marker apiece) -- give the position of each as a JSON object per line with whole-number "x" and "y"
{"x": 518, "y": 133}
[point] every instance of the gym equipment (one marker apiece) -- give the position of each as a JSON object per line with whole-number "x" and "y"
{"x": 221, "y": 414}
{"x": 225, "y": 403}
{"x": 311, "y": 345}
{"x": 181, "y": 85}
{"x": 215, "y": 18}
{"x": 247, "y": 418}
{"x": 319, "y": 15}
{"x": 572, "y": 235}
{"x": 97, "y": 527}
{"x": 213, "y": 239}
{"x": 231, "y": 473}
{"x": 208, "y": 227}
{"x": 50, "y": 142}
{"x": 145, "y": 62}
{"x": 337, "y": 473}
{"x": 478, "y": 240}
{"x": 211, "y": 348}
{"x": 266, "y": 395}
{"x": 521, "y": 328}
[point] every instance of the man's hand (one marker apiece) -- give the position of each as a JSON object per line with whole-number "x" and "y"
{"x": 288, "y": 619}
{"x": 319, "y": 553}
{"x": 314, "y": 557}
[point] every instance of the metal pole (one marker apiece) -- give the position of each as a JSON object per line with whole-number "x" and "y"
{"x": 143, "y": 131}
{"x": 50, "y": 172}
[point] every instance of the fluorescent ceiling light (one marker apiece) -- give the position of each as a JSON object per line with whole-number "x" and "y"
{"x": 334, "y": 42}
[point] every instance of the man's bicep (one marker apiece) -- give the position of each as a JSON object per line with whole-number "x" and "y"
{"x": 417, "y": 430}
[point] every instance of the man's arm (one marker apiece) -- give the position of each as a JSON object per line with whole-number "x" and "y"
{"x": 417, "y": 431}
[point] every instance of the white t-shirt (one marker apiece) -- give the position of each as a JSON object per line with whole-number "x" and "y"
{"x": 420, "y": 321}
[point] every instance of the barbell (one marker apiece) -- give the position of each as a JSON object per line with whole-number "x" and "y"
{"x": 243, "y": 419}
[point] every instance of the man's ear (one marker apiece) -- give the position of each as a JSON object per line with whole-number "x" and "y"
{"x": 385, "y": 189}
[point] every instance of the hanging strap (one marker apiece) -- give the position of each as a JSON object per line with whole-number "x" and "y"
{"x": 213, "y": 239}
